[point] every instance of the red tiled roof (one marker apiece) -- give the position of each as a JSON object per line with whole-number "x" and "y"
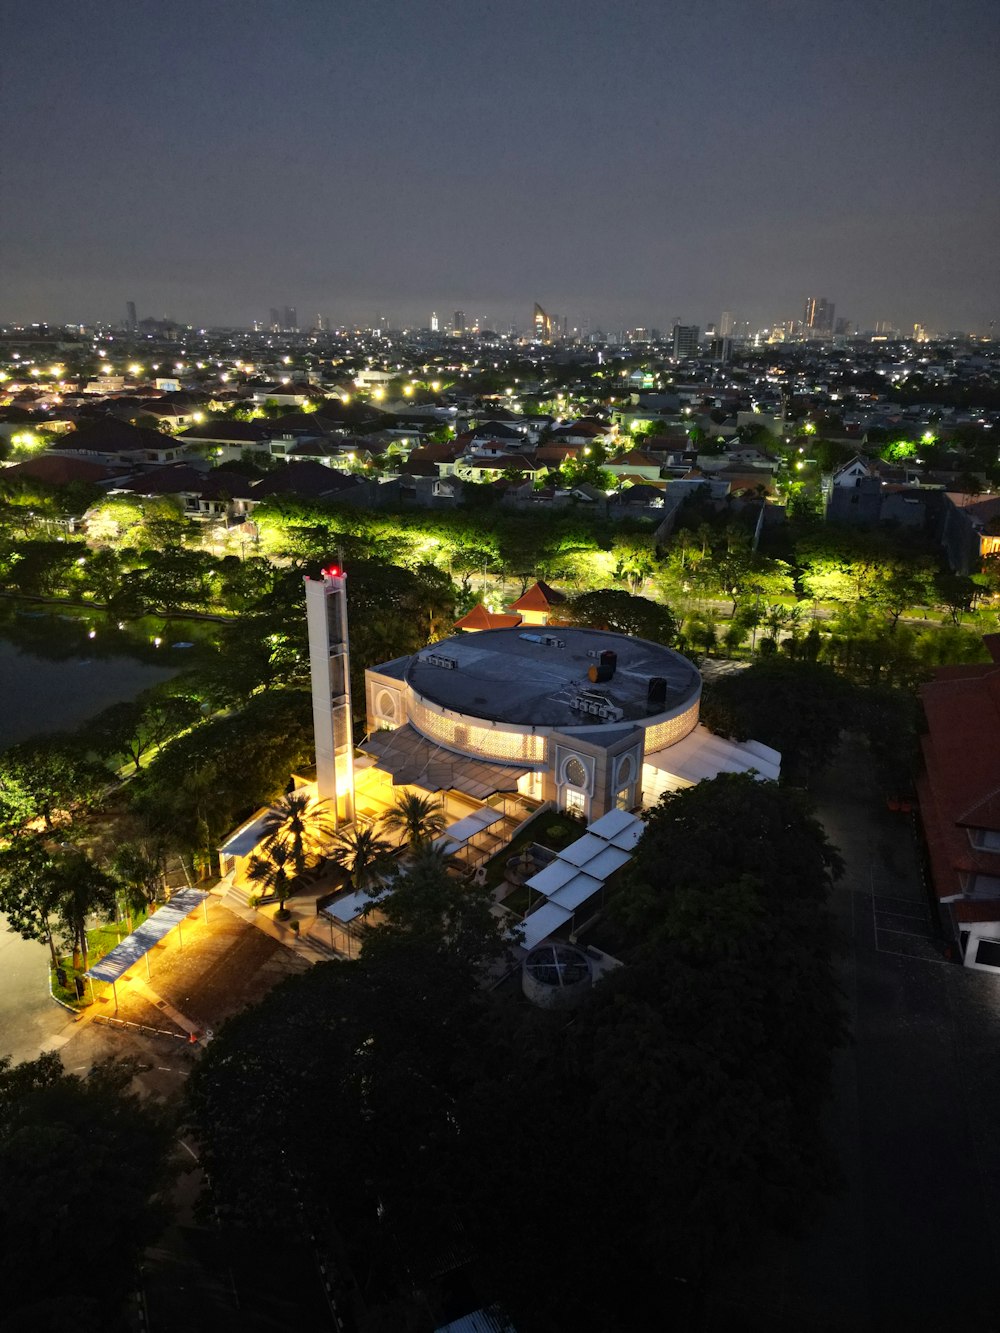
{"x": 480, "y": 618}
{"x": 961, "y": 786}
{"x": 540, "y": 597}
{"x": 60, "y": 471}
{"x": 989, "y": 911}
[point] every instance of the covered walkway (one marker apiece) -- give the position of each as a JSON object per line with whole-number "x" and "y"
{"x": 579, "y": 873}
{"x": 135, "y": 947}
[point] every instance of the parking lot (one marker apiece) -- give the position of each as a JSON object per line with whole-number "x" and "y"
{"x": 913, "y": 1239}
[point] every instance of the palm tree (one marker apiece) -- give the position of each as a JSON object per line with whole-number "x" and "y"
{"x": 139, "y": 873}
{"x": 362, "y": 854}
{"x": 417, "y": 818}
{"x": 271, "y": 873}
{"x": 296, "y": 831}
{"x": 302, "y": 826}
{"x": 81, "y": 888}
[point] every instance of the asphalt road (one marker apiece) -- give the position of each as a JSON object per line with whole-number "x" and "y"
{"x": 913, "y": 1239}
{"x": 30, "y": 1021}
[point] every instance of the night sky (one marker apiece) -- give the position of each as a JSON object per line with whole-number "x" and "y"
{"x": 622, "y": 163}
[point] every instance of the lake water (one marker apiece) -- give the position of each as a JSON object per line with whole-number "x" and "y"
{"x": 40, "y": 695}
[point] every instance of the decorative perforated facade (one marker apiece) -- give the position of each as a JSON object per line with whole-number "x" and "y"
{"x": 459, "y": 732}
{"x": 674, "y": 729}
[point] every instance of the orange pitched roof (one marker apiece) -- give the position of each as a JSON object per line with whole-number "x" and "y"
{"x": 540, "y": 597}
{"x": 480, "y": 618}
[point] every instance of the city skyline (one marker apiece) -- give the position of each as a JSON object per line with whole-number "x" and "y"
{"x": 735, "y": 158}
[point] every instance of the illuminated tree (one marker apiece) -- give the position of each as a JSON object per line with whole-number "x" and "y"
{"x": 417, "y": 819}
{"x": 362, "y": 854}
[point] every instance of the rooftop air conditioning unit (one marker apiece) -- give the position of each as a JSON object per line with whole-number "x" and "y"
{"x": 553, "y": 641}
{"x": 597, "y": 705}
{"x": 439, "y": 660}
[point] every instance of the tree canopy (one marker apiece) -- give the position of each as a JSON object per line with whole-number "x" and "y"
{"x": 82, "y": 1160}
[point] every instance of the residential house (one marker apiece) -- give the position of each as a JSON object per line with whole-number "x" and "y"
{"x": 971, "y": 529}
{"x": 959, "y": 795}
{"x": 636, "y": 465}
{"x": 112, "y": 441}
{"x": 229, "y": 440}
{"x": 204, "y": 495}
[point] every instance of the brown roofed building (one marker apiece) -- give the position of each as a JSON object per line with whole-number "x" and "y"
{"x": 537, "y": 605}
{"x": 959, "y": 795}
{"x": 58, "y": 471}
{"x": 480, "y": 618}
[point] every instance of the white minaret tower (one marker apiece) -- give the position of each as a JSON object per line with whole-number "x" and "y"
{"x": 330, "y": 665}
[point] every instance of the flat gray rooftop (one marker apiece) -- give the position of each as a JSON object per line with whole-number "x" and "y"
{"x": 503, "y": 676}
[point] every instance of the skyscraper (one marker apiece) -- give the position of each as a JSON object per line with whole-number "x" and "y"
{"x": 275, "y": 319}
{"x": 291, "y": 319}
{"x": 133, "y": 319}
{"x": 818, "y": 314}
{"x": 542, "y": 325}
{"x": 727, "y": 324}
{"x": 458, "y": 323}
{"x": 686, "y": 341}
{"x": 434, "y": 321}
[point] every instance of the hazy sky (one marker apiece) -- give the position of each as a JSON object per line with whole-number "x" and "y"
{"x": 621, "y": 163}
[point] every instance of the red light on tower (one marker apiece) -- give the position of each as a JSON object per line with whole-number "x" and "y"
{"x": 333, "y": 571}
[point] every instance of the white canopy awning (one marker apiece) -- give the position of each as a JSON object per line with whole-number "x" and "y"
{"x": 577, "y": 891}
{"x": 701, "y": 755}
{"x": 540, "y": 925}
{"x": 349, "y": 907}
{"x": 552, "y": 877}
{"x": 580, "y": 852}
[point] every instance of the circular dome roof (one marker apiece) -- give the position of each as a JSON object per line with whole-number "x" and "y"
{"x": 531, "y": 678}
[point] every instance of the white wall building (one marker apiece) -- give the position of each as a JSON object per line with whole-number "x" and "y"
{"x": 589, "y": 720}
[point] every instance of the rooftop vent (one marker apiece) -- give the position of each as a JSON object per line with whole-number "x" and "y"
{"x": 656, "y": 694}
{"x": 439, "y": 660}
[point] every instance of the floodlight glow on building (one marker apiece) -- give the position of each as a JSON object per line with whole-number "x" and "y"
{"x": 330, "y": 668}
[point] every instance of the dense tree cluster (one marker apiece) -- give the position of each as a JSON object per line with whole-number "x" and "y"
{"x": 81, "y": 1159}
{"x": 660, "y": 1130}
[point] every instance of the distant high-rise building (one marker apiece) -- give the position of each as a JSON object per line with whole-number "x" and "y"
{"x": 842, "y": 327}
{"x": 434, "y": 321}
{"x": 291, "y": 319}
{"x": 721, "y": 350}
{"x": 686, "y": 341}
{"x": 727, "y": 324}
{"x": 133, "y": 318}
{"x": 818, "y": 315}
{"x": 458, "y": 323}
{"x": 275, "y": 319}
{"x": 919, "y": 333}
{"x": 542, "y": 325}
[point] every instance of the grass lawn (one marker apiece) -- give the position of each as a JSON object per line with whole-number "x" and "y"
{"x": 100, "y": 941}
{"x": 549, "y": 828}
{"x": 518, "y": 900}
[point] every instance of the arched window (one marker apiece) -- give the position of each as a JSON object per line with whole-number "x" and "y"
{"x": 574, "y": 773}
